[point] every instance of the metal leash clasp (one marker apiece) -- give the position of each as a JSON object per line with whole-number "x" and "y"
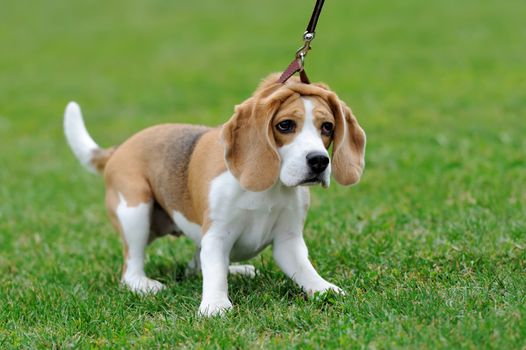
{"x": 297, "y": 64}
{"x": 299, "y": 61}
{"x": 302, "y": 51}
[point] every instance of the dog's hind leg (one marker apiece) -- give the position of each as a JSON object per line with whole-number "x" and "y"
{"x": 131, "y": 214}
{"x": 194, "y": 265}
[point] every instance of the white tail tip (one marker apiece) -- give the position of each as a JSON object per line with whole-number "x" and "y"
{"x": 77, "y": 136}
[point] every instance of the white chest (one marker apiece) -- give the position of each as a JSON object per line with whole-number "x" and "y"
{"x": 248, "y": 220}
{"x": 253, "y": 232}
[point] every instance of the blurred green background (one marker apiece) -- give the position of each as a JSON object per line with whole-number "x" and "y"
{"x": 430, "y": 246}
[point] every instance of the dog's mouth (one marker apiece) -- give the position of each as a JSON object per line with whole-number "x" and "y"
{"x": 312, "y": 181}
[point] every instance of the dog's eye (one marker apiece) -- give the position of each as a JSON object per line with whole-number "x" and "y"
{"x": 286, "y": 126}
{"x": 327, "y": 128}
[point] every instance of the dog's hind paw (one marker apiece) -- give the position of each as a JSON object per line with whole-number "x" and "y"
{"x": 243, "y": 270}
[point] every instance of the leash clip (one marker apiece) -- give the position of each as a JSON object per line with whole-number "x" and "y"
{"x": 297, "y": 65}
{"x": 302, "y": 51}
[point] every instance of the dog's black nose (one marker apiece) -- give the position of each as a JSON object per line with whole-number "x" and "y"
{"x": 317, "y": 162}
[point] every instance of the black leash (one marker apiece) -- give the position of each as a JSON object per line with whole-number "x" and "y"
{"x": 297, "y": 65}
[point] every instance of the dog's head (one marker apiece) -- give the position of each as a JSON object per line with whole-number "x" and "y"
{"x": 284, "y": 132}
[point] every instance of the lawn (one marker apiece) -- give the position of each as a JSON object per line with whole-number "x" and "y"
{"x": 430, "y": 246}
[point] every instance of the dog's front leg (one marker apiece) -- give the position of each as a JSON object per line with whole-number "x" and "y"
{"x": 215, "y": 252}
{"x": 291, "y": 254}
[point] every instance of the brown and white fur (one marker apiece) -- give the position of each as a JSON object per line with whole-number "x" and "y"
{"x": 233, "y": 189}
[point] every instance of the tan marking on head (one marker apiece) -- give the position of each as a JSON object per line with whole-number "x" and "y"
{"x": 294, "y": 110}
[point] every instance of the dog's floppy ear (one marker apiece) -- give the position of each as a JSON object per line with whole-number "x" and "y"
{"x": 250, "y": 148}
{"x": 348, "y": 144}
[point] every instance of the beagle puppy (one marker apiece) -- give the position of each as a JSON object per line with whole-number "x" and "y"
{"x": 233, "y": 189}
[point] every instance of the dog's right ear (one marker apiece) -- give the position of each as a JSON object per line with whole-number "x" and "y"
{"x": 348, "y": 153}
{"x": 250, "y": 149}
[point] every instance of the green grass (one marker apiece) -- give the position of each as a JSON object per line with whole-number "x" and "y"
{"x": 430, "y": 246}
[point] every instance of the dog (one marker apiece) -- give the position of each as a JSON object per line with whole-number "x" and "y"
{"x": 233, "y": 189}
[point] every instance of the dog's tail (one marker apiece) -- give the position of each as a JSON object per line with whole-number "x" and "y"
{"x": 90, "y": 155}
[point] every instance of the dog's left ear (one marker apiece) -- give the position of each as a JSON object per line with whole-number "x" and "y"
{"x": 250, "y": 149}
{"x": 348, "y": 154}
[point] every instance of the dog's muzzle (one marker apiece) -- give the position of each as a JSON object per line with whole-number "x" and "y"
{"x": 317, "y": 163}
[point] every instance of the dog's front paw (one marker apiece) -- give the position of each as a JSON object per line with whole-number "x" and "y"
{"x": 323, "y": 288}
{"x": 142, "y": 284}
{"x": 218, "y": 307}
